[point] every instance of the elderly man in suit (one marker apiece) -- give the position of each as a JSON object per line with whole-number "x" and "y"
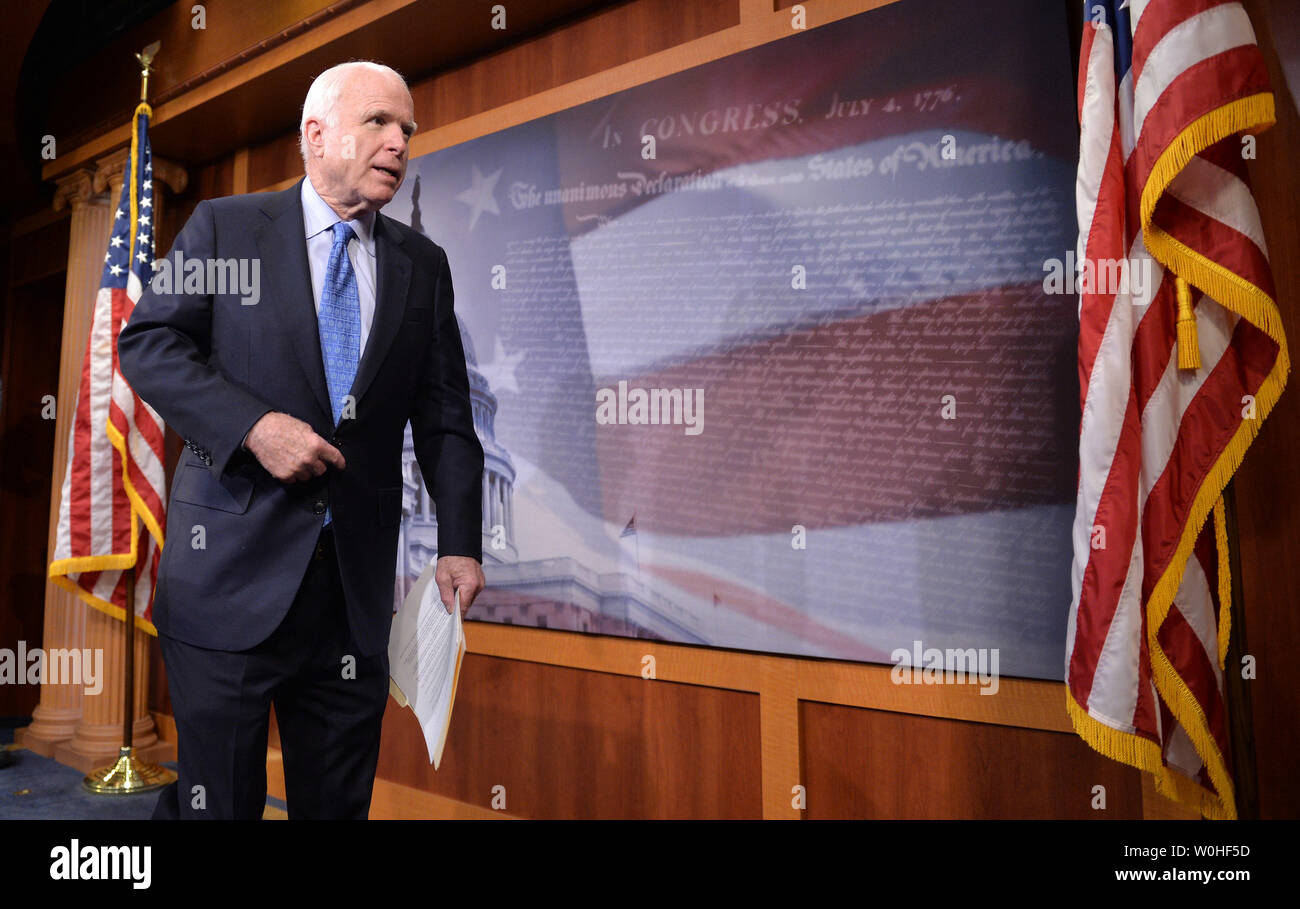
{"x": 276, "y": 580}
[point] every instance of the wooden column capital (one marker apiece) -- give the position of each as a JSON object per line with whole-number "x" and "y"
{"x": 74, "y": 189}
{"x": 108, "y": 172}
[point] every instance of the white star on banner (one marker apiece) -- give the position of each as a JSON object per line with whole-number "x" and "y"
{"x": 500, "y": 373}
{"x": 479, "y": 196}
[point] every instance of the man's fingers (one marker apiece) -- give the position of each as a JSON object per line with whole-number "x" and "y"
{"x": 448, "y": 597}
{"x": 331, "y": 454}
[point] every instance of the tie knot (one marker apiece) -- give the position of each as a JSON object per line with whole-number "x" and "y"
{"x": 342, "y": 232}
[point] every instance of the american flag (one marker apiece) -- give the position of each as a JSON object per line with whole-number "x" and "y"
{"x": 1174, "y": 380}
{"x": 115, "y": 468}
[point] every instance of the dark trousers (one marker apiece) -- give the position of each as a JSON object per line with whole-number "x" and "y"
{"x": 329, "y": 706}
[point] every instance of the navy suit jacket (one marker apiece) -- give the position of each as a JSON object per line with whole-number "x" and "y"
{"x": 239, "y": 540}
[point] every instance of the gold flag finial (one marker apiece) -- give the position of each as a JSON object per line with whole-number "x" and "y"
{"x": 146, "y": 58}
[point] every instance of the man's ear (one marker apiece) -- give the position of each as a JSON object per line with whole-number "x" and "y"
{"x": 315, "y": 137}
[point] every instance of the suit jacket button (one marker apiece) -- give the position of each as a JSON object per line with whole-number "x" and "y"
{"x": 319, "y": 506}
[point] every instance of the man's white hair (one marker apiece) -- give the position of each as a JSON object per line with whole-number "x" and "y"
{"x": 323, "y": 96}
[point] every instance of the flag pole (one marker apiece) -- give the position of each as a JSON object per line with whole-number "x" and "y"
{"x": 128, "y": 774}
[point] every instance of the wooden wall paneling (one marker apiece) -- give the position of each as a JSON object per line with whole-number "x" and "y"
{"x": 593, "y": 49}
{"x": 567, "y": 743}
{"x": 877, "y": 764}
{"x": 782, "y": 684}
{"x": 276, "y": 163}
{"x": 239, "y": 176}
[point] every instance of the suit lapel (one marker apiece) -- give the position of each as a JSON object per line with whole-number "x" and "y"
{"x": 393, "y": 279}
{"x": 282, "y": 245}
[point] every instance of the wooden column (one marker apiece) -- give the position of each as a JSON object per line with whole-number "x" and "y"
{"x": 97, "y": 736}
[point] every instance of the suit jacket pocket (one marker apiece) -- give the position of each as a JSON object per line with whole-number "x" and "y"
{"x": 197, "y": 486}
{"x": 390, "y": 506}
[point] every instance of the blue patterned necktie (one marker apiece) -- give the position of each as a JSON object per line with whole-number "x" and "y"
{"x": 339, "y": 321}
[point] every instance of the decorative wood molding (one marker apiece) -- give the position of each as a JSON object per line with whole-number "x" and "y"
{"x": 109, "y": 171}
{"x": 74, "y": 189}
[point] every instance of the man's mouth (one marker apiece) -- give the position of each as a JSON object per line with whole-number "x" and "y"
{"x": 390, "y": 171}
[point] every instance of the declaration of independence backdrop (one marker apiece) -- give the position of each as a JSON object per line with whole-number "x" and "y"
{"x": 832, "y": 266}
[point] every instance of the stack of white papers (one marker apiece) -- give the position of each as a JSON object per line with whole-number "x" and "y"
{"x": 425, "y": 650}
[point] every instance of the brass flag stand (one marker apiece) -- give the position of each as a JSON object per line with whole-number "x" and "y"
{"x": 129, "y": 774}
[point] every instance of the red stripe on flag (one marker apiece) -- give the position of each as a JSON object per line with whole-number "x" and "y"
{"x": 1159, "y": 17}
{"x": 1235, "y": 73}
{"x": 1215, "y": 240}
{"x": 1104, "y": 242}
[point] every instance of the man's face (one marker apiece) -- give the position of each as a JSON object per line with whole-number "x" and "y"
{"x": 364, "y": 158}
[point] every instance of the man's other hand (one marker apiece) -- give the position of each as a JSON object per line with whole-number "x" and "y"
{"x": 289, "y": 449}
{"x": 458, "y": 572}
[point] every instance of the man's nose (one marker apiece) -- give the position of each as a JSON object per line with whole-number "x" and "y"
{"x": 396, "y": 141}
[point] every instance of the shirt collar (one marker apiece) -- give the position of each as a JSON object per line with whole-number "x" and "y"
{"x": 317, "y": 216}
